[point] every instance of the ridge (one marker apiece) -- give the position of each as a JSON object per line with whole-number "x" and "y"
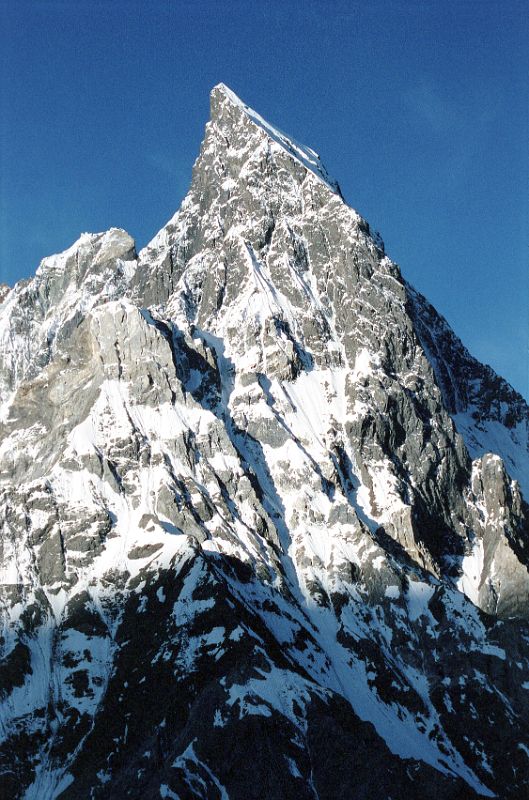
{"x": 104, "y": 245}
{"x": 309, "y": 158}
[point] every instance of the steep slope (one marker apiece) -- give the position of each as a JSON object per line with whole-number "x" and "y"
{"x": 239, "y": 526}
{"x": 489, "y": 414}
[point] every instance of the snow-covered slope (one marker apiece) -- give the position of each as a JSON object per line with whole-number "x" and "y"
{"x": 238, "y": 524}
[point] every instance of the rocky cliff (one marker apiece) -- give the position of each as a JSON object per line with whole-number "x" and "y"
{"x": 262, "y": 520}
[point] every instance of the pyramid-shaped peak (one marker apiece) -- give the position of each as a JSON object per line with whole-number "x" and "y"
{"x": 222, "y": 96}
{"x": 228, "y": 94}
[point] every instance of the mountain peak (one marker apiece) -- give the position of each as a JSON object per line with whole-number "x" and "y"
{"x": 228, "y": 94}
{"x": 234, "y": 507}
{"x": 96, "y": 248}
{"x": 222, "y": 97}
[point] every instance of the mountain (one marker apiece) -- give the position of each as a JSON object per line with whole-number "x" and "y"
{"x": 263, "y": 527}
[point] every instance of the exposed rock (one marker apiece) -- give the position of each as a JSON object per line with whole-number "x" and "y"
{"x": 262, "y": 519}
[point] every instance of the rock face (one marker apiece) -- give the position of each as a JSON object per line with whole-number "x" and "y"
{"x": 262, "y": 522}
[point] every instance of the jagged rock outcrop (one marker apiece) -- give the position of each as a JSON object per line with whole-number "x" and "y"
{"x": 262, "y": 523}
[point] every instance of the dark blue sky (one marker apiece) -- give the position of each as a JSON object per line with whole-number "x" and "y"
{"x": 418, "y": 108}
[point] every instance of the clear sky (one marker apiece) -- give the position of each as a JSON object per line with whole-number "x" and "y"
{"x": 418, "y": 108}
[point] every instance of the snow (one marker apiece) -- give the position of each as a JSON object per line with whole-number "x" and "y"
{"x": 278, "y": 689}
{"x": 363, "y": 365}
{"x": 418, "y": 596}
{"x": 167, "y": 793}
{"x": 48, "y": 784}
{"x": 293, "y": 767}
{"x": 92, "y": 656}
{"x": 393, "y": 723}
{"x": 189, "y": 759}
{"x": 491, "y": 436}
{"x": 305, "y": 155}
{"x": 236, "y": 634}
{"x": 316, "y": 504}
{"x": 471, "y": 571}
{"x": 313, "y": 406}
{"x": 218, "y": 721}
{"x": 387, "y": 501}
{"x": 490, "y": 650}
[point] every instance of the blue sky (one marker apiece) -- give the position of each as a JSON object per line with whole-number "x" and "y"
{"x": 418, "y": 108}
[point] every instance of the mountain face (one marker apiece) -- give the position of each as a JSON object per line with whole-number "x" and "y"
{"x": 262, "y": 520}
